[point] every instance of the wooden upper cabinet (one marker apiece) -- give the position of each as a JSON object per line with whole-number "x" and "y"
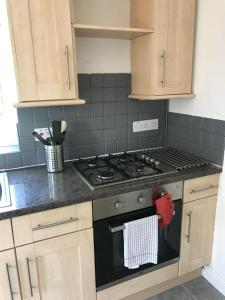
{"x": 176, "y": 50}
{"x": 162, "y": 61}
{"x": 44, "y": 49}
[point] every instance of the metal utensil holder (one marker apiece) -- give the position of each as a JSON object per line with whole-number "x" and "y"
{"x": 54, "y": 158}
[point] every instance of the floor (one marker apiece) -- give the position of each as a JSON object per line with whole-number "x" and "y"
{"x": 198, "y": 289}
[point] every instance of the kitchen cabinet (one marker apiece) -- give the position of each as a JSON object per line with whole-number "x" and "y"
{"x": 44, "y": 44}
{"x": 58, "y": 268}
{"x": 55, "y": 253}
{"x": 201, "y": 187}
{"x": 139, "y": 284}
{"x": 44, "y": 51}
{"x": 162, "y": 61}
{"x": 9, "y": 281}
{"x": 6, "y": 235}
{"x": 51, "y": 223}
{"x": 197, "y": 234}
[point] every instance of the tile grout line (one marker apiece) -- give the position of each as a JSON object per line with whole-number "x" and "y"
{"x": 189, "y": 292}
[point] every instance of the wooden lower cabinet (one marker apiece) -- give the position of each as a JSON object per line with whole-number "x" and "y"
{"x": 58, "y": 268}
{"x": 6, "y": 235}
{"x": 9, "y": 281}
{"x": 197, "y": 234}
{"x": 139, "y": 284}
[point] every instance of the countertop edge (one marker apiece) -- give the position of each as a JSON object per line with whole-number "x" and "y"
{"x": 112, "y": 191}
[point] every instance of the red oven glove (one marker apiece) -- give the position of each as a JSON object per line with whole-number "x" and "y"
{"x": 165, "y": 208}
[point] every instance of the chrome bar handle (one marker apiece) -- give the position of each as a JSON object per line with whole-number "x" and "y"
{"x": 9, "y": 280}
{"x": 203, "y": 189}
{"x": 43, "y": 226}
{"x": 163, "y": 80}
{"x": 67, "y": 67}
{"x": 188, "y": 236}
{"x": 29, "y": 277}
{"x": 117, "y": 228}
{"x": 122, "y": 227}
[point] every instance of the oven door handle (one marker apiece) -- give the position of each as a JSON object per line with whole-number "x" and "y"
{"x": 117, "y": 228}
{"x": 122, "y": 227}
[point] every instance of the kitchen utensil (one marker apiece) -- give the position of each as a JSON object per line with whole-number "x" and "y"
{"x": 63, "y": 126}
{"x": 40, "y": 138}
{"x": 51, "y": 140}
{"x": 56, "y": 130}
{"x": 62, "y": 137}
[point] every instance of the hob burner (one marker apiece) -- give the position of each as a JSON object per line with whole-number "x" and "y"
{"x": 104, "y": 175}
{"x": 92, "y": 165}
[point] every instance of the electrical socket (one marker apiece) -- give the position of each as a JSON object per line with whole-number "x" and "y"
{"x": 146, "y": 125}
{"x": 43, "y": 132}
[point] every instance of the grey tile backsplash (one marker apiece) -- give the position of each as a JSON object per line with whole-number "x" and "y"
{"x": 199, "y": 136}
{"x": 103, "y": 125}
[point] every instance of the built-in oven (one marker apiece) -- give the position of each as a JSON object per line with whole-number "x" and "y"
{"x": 109, "y": 216}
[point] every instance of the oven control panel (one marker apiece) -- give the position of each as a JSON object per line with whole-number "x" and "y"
{"x": 127, "y": 202}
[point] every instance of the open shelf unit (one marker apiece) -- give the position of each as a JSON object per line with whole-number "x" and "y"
{"x": 110, "y": 32}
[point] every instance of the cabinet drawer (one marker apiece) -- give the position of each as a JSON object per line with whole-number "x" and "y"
{"x": 201, "y": 187}
{"x": 139, "y": 284}
{"x": 6, "y": 235}
{"x": 47, "y": 224}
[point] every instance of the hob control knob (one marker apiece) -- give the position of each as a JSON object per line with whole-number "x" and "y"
{"x": 157, "y": 163}
{"x": 148, "y": 159}
{"x": 117, "y": 205}
{"x": 143, "y": 156}
{"x": 142, "y": 200}
{"x": 152, "y": 160}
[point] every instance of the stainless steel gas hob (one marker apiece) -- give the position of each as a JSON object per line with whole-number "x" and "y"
{"x": 114, "y": 169}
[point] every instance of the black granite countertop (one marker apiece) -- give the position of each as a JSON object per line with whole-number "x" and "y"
{"x": 33, "y": 189}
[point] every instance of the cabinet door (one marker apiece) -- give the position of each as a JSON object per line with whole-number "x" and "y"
{"x": 174, "y": 46}
{"x": 60, "y": 268}
{"x": 9, "y": 283}
{"x": 44, "y": 49}
{"x": 197, "y": 234}
{"x": 28, "y": 272}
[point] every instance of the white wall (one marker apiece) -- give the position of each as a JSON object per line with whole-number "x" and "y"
{"x": 209, "y": 66}
{"x": 209, "y": 86}
{"x": 103, "y": 55}
{"x": 8, "y": 89}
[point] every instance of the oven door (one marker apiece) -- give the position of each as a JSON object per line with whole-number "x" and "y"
{"x": 109, "y": 255}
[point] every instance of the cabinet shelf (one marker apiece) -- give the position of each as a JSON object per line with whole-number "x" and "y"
{"x": 109, "y": 32}
{"x": 49, "y": 103}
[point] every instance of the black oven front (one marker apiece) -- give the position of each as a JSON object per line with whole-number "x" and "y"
{"x": 109, "y": 216}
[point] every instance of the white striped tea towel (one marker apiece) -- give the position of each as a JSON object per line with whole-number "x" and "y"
{"x": 141, "y": 242}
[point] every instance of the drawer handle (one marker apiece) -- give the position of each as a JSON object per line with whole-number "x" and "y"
{"x": 163, "y": 80}
{"x": 67, "y": 67}
{"x": 188, "y": 236}
{"x": 203, "y": 189}
{"x": 12, "y": 293}
{"x": 40, "y": 226}
{"x": 28, "y": 261}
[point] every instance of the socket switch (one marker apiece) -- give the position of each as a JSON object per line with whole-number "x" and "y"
{"x": 146, "y": 125}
